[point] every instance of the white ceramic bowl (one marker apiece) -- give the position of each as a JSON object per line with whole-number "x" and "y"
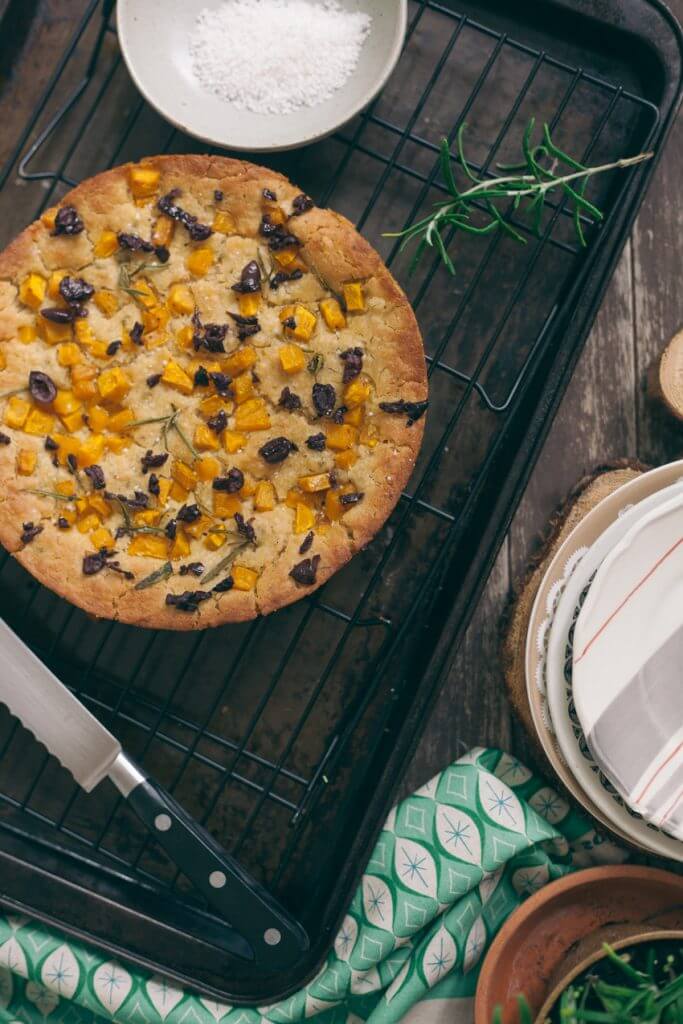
{"x": 154, "y": 35}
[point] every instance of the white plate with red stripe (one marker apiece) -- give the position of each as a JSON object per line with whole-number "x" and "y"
{"x": 589, "y": 778}
{"x": 627, "y": 676}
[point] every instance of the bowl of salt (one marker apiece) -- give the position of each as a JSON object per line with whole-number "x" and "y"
{"x": 260, "y": 75}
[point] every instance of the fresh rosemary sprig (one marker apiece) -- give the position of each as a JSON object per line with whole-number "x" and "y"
{"x": 170, "y": 422}
{"x": 50, "y": 494}
{"x": 128, "y": 273}
{"x": 494, "y": 198}
{"x": 157, "y": 576}
{"x": 224, "y": 563}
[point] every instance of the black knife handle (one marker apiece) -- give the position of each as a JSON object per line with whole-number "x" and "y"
{"x": 277, "y": 940}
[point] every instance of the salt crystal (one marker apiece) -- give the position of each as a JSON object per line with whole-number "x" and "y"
{"x": 276, "y": 56}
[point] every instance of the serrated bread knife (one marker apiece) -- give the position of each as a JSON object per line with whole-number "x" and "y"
{"x": 265, "y": 932}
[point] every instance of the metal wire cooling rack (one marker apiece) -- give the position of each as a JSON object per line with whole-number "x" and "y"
{"x": 286, "y": 735}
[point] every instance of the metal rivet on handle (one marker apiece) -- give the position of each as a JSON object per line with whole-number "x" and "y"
{"x": 272, "y": 937}
{"x": 217, "y": 879}
{"x": 162, "y": 822}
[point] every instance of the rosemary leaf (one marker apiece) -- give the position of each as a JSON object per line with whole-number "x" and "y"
{"x": 157, "y": 576}
{"x": 50, "y": 494}
{"x": 224, "y": 563}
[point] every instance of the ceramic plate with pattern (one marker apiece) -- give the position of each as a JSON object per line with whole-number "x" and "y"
{"x": 565, "y": 560}
{"x": 594, "y": 783}
{"x": 627, "y": 667}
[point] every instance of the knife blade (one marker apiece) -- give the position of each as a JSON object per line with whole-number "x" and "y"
{"x": 264, "y": 931}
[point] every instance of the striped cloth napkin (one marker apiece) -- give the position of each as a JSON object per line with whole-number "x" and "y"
{"x": 451, "y": 863}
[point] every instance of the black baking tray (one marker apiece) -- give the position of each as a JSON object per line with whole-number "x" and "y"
{"x": 288, "y": 736}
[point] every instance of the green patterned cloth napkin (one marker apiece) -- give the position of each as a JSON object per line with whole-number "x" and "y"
{"x": 452, "y": 862}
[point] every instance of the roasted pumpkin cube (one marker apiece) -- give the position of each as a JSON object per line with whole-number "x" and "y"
{"x": 90, "y": 451}
{"x": 119, "y": 422}
{"x": 333, "y": 506}
{"x": 149, "y": 545}
{"x": 68, "y": 354}
{"x": 357, "y": 392}
{"x": 145, "y": 295}
{"x": 354, "y": 299}
{"x": 66, "y": 446}
{"x": 296, "y": 497}
{"x": 106, "y": 245}
{"x": 113, "y": 385}
{"x": 340, "y": 436}
{"x": 333, "y": 314}
{"x": 181, "y": 546}
{"x": 240, "y": 361}
{"x": 49, "y": 217}
{"x": 207, "y": 468}
{"x": 32, "y": 290}
{"x": 292, "y": 358}
{"x": 225, "y": 505}
{"x": 178, "y": 492}
{"x": 224, "y": 223}
{"x": 184, "y": 475}
{"x": 200, "y": 261}
{"x": 354, "y": 417}
{"x": 117, "y": 442}
{"x": 163, "y": 230}
{"x": 285, "y": 257}
{"x": 214, "y": 541}
{"x": 98, "y": 418}
{"x": 143, "y": 181}
{"x": 198, "y": 527}
{"x": 54, "y": 282}
{"x": 84, "y": 332}
{"x": 180, "y": 300}
{"x": 252, "y": 415}
{"x": 101, "y": 538}
{"x": 249, "y": 303}
{"x": 66, "y": 402}
{"x": 243, "y": 388}
{"x": 176, "y": 378}
{"x": 39, "y": 423}
{"x": 265, "y": 498}
{"x": 184, "y": 337}
{"x": 204, "y": 438}
{"x": 165, "y": 485}
{"x": 73, "y": 421}
{"x": 315, "y": 482}
{"x": 344, "y": 460}
{"x": 27, "y": 334}
{"x": 84, "y": 380}
{"x": 96, "y": 503}
{"x": 65, "y": 487}
{"x": 304, "y": 323}
{"x": 27, "y": 460}
{"x": 243, "y": 578}
{"x": 212, "y": 404}
{"x": 87, "y": 523}
{"x": 232, "y": 441}
{"x": 106, "y": 301}
{"x": 304, "y": 518}
{"x": 16, "y": 411}
{"x": 53, "y": 333}
{"x": 155, "y": 319}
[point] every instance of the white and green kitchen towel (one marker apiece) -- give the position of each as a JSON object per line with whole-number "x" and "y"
{"x": 451, "y": 863}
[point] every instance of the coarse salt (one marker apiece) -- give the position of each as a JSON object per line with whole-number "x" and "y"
{"x": 276, "y": 56}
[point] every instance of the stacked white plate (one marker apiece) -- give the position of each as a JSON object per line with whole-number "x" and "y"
{"x": 604, "y": 661}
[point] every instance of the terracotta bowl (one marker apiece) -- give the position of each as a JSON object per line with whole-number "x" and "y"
{"x": 543, "y": 933}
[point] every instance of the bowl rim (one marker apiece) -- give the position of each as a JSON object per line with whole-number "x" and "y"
{"x": 123, "y": 34}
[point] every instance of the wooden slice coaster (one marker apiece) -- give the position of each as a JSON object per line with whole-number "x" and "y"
{"x": 667, "y": 381}
{"x": 585, "y": 496}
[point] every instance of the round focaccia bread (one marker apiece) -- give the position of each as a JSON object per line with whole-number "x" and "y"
{"x": 211, "y": 393}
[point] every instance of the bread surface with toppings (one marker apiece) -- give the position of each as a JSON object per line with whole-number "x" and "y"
{"x": 211, "y": 393}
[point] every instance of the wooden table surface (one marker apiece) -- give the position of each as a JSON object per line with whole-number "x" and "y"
{"x": 606, "y": 414}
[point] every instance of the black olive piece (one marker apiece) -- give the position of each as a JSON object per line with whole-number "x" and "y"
{"x": 113, "y": 347}
{"x": 224, "y": 585}
{"x": 171, "y": 529}
{"x": 218, "y": 194}
{"x": 281, "y": 239}
{"x": 136, "y": 333}
{"x": 289, "y": 401}
{"x": 58, "y": 316}
{"x": 193, "y": 568}
{"x": 63, "y": 523}
{"x": 352, "y": 359}
{"x": 151, "y": 461}
{"x": 67, "y": 222}
{"x": 189, "y": 600}
{"x": 352, "y": 498}
{"x": 300, "y": 204}
{"x": 250, "y": 279}
{"x": 219, "y": 422}
{"x": 4, "y": 439}
{"x": 306, "y": 572}
{"x": 338, "y": 414}
{"x": 316, "y": 442}
{"x": 221, "y": 382}
{"x": 197, "y": 232}
{"x": 71, "y": 463}
{"x": 269, "y": 194}
{"x": 30, "y": 532}
{"x": 324, "y": 397}
{"x": 75, "y": 290}
{"x": 277, "y": 450}
{"x": 188, "y": 514}
{"x": 281, "y": 276}
{"x": 153, "y": 485}
{"x": 201, "y": 378}
{"x": 51, "y": 445}
{"x": 153, "y": 380}
{"x": 162, "y": 253}
{"x": 93, "y": 564}
{"x": 245, "y": 528}
{"x": 306, "y": 542}
{"x": 41, "y": 387}
{"x": 232, "y": 483}
{"x": 134, "y": 243}
{"x": 95, "y": 475}
{"x": 413, "y": 410}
